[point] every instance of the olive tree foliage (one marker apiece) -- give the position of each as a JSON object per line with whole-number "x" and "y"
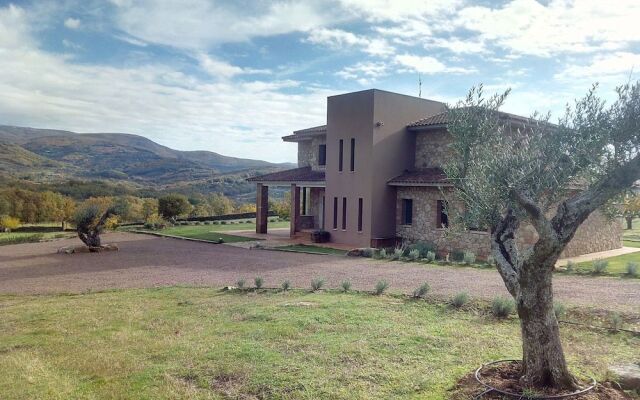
{"x": 508, "y": 170}
{"x": 91, "y": 221}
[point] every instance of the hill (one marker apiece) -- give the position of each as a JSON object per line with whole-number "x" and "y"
{"x": 53, "y": 156}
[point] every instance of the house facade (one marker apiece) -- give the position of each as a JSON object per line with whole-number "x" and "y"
{"x": 372, "y": 176}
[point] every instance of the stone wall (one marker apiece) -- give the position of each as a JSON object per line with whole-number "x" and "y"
{"x": 315, "y": 206}
{"x": 597, "y": 233}
{"x": 432, "y": 149}
{"x": 308, "y": 152}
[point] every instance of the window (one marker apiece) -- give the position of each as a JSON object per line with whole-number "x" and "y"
{"x": 335, "y": 213}
{"x": 360, "y": 215}
{"x": 407, "y": 211}
{"x": 344, "y": 213}
{"x": 322, "y": 154}
{"x": 340, "y": 153}
{"x": 442, "y": 219}
{"x": 353, "y": 154}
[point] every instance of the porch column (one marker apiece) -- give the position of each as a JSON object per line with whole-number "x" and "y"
{"x": 295, "y": 209}
{"x": 262, "y": 208}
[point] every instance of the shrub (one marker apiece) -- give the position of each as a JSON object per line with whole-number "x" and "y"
{"x": 460, "y": 299}
{"x": 571, "y": 266}
{"x": 423, "y": 248}
{"x": 207, "y": 222}
{"x": 258, "y": 282}
{"x": 490, "y": 260}
{"x": 240, "y": 283}
{"x": 8, "y": 223}
{"x": 501, "y": 307}
{"x": 317, "y": 283}
{"x": 559, "y": 310}
{"x": 286, "y": 285}
{"x": 632, "y": 269}
{"x": 216, "y": 222}
{"x": 368, "y": 252}
{"x": 397, "y": 253}
{"x": 457, "y": 255}
{"x": 431, "y": 256}
{"x": 421, "y": 291}
{"x": 414, "y": 255}
{"x": 469, "y": 257}
{"x": 380, "y": 287}
{"x": 223, "y": 222}
{"x": 155, "y": 222}
{"x": 616, "y": 322}
{"x": 600, "y": 266}
{"x": 382, "y": 253}
{"x": 345, "y": 285}
{"x": 198, "y": 223}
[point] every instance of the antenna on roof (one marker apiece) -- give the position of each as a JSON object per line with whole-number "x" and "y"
{"x": 419, "y": 85}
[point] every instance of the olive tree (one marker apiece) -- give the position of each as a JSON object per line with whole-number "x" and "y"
{"x": 508, "y": 172}
{"x": 90, "y": 222}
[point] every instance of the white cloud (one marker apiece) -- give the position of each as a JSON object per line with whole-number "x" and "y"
{"x": 615, "y": 65}
{"x": 364, "y": 72}
{"x": 199, "y": 24}
{"x": 399, "y": 10}
{"x": 529, "y": 27}
{"x": 179, "y": 110}
{"x": 458, "y": 46}
{"x": 72, "y": 23}
{"x": 429, "y": 65}
{"x": 341, "y": 40}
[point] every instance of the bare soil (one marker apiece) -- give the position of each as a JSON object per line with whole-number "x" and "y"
{"x": 148, "y": 261}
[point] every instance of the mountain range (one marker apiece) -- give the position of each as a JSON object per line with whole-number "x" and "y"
{"x": 55, "y": 156}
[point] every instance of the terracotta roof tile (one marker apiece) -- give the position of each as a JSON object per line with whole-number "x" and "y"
{"x": 427, "y": 176}
{"x": 303, "y": 174}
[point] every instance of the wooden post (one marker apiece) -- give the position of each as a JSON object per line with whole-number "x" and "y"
{"x": 262, "y": 208}
{"x": 295, "y": 209}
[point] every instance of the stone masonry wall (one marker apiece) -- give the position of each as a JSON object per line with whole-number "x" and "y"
{"x": 432, "y": 149}
{"x": 308, "y": 152}
{"x": 596, "y": 234}
{"x": 315, "y": 206}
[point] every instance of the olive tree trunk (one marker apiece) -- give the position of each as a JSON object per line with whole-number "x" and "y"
{"x": 544, "y": 364}
{"x": 629, "y": 222}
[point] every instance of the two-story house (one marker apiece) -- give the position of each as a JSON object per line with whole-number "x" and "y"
{"x": 372, "y": 176}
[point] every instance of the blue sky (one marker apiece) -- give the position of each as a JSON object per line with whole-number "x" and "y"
{"x": 235, "y": 76}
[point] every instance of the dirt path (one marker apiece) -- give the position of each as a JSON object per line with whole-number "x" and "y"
{"x": 147, "y": 261}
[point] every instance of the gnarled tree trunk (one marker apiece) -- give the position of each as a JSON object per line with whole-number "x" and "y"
{"x": 543, "y": 358}
{"x": 629, "y": 222}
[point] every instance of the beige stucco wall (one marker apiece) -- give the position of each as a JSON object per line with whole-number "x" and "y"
{"x": 432, "y": 149}
{"x": 597, "y": 233}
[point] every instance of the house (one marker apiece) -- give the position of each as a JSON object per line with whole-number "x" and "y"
{"x": 372, "y": 176}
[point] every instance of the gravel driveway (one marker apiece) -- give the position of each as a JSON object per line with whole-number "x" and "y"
{"x": 147, "y": 261}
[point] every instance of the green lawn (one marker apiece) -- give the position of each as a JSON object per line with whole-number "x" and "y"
{"x": 30, "y": 237}
{"x": 213, "y": 232}
{"x": 305, "y": 248}
{"x": 632, "y": 237}
{"x": 188, "y": 343}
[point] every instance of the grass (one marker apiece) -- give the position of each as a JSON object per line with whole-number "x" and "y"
{"x": 31, "y": 237}
{"x": 203, "y": 232}
{"x": 305, "y": 248}
{"x": 196, "y": 343}
{"x": 631, "y": 237}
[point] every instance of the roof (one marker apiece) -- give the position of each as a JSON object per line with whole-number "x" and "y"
{"x": 306, "y": 134}
{"x": 303, "y": 174}
{"x": 441, "y": 120}
{"x": 421, "y": 177}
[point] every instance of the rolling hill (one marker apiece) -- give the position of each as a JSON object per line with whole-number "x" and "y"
{"x": 53, "y": 156}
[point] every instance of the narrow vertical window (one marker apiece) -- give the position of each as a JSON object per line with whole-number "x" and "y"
{"x": 322, "y": 225}
{"x": 360, "y": 214}
{"x": 340, "y": 154}
{"x": 322, "y": 154}
{"x": 335, "y": 213}
{"x": 304, "y": 201}
{"x": 344, "y": 213}
{"x": 407, "y": 211}
{"x": 442, "y": 219}
{"x": 353, "y": 154}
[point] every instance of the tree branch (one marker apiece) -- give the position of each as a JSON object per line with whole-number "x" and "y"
{"x": 505, "y": 251}
{"x": 572, "y": 212}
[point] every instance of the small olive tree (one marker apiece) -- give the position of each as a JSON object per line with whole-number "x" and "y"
{"x": 508, "y": 171}
{"x": 90, "y": 223}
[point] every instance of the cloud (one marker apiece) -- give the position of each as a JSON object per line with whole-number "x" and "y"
{"x": 399, "y": 10}
{"x": 529, "y": 27}
{"x": 243, "y": 119}
{"x": 200, "y": 24}
{"x": 429, "y": 65}
{"x": 342, "y": 40}
{"x": 364, "y": 72}
{"x": 72, "y": 23}
{"x": 617, "y": 65}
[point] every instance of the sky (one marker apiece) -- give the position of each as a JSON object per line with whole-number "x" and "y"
{"x": 235, "y": 76}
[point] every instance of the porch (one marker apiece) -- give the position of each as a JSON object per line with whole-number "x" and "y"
{"x": 307, "y": 199}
